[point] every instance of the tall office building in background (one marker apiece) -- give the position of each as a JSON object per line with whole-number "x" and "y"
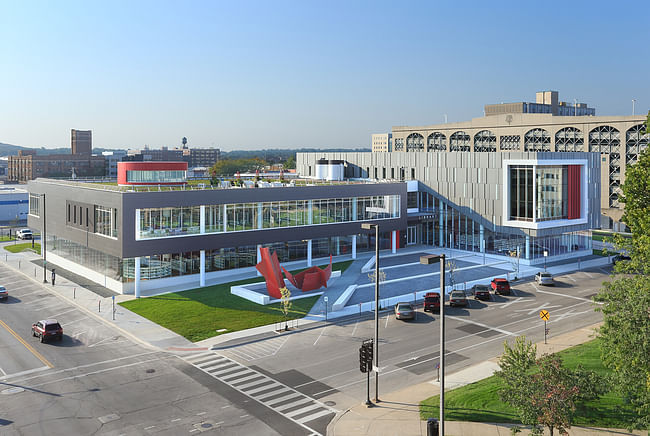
{"x": 82, "y": 142}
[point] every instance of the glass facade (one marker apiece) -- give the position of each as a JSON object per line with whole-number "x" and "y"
{"x": 98, "y": 261}
{"x": 521, "y": 192}
{"x": 106, "y": 221}
{"x": 552, "y": 193}
{"x": 158, "y": 176}
{"x": 550, "y": 189}
{"x": 236, "y": 217}
{"x": 35, "y": 204}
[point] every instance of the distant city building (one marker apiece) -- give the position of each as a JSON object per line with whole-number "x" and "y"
{"x": 546, "y": 102}
{"x": 382, "y": 142}
{"x": 28, "y": 165}
{"x": 195, "y": 157}
{"x": 81, "y": 142}
{"x": 112, "y": 158}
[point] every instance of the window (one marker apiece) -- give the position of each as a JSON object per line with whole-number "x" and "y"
{"x": 552, "y": 193}
{"x": 521, "y": 192}
{"x": 34, "y": 204}
{"x": 157, "y": 176}
{"x": 106, "y": 221}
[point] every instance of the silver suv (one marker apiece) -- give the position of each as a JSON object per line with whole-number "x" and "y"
{"x": 544, "y": 278}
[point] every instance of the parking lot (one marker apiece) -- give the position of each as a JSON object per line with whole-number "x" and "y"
{"x": 322, "y": 360}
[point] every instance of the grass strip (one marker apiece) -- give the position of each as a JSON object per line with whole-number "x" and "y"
{"x": 480, "y": 402}
{"x": 198, "y": 313}
{"x": 17, "y": 248}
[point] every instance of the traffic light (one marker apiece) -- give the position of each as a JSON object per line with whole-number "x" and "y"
{"x": 369, "y": 353}
{"x": 363, "y": 358}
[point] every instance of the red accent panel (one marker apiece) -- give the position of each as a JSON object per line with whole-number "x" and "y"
{"x": 397, "y": 239}
{"x": 123, "y": 167}
{"x": 574, "y": 188}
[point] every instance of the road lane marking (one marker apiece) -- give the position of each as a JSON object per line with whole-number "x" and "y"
{"x": 321, "y": 334}
{"x": 93, "y": 373}
{"x": 62, "y": 313}
{"x": 29, "y": 347}
{"x": 496, "y": 329}
{"x": 517, "y": 300}
{"x": 3, "y": 372}
{"x": 567, "y": 296}
{"x": 176, "y": 420}
{"x": 21, "y": 373}
{"x": 355, "y": 328}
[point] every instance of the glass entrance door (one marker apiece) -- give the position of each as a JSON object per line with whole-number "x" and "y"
{"x": 412, "y": 235}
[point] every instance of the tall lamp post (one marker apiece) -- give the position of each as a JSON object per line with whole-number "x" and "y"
{"x": 545, "y": 256}
{"x": 368, "y": 226}
{"x": 43, "y": 242}
{"x": 428, "y": 260}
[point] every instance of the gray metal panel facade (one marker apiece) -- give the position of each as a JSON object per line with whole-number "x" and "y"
{"x": 471, "y": 182}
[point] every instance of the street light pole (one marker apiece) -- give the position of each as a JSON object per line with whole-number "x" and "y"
{"x": 44, "y": 243}
{"x": 368, "y": 226}
{"x": 428, "y": 260}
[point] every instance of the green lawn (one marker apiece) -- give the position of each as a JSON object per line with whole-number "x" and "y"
{"x": 197, "y": 314}
{"x": 17, "y": 248}
{"x": 479, "y": 402}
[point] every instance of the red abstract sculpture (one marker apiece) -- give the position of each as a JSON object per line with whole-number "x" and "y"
{"x": 311, "y": 278}
{"x": 269, "y": 267}
{"x": 308, "y": 280}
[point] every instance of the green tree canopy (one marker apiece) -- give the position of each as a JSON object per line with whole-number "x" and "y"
{"x": 626, "y": 299}
{"x": 228, "y": 167}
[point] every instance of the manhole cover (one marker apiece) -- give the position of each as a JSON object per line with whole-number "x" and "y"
{"x": 330, "y": 403}
{"x": 14, "y": 390}
{"x": 150, "y": 371}
{"x": 206, "y": 425}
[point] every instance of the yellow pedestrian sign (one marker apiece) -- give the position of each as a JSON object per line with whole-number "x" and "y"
{"x": 544, "y": 315}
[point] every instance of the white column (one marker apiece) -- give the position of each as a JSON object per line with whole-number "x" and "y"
{"x": 260, "y": 222}
{"x": 310, "y": 216}
{"x": 202, "y": 279}
{"x": 354, "y": 246}
{"x": 309, "y": 252}
{"x": 527, "y": 247}
{"x": 394, "y": 241}
{"x": 137, "y": 224}
{"x": 354, "y": 208}
{"x": 137, "y": 277}
{"x": 441, "y": 226}
{"x": 225, "y": 220}
{"x": 202, "y": 220}
{"x": 259, "y": 258}
{"x": 482, "y": 237}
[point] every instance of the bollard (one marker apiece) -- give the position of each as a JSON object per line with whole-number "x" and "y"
{"x": 359, "y": 309}
{"x": 99, "y": 305}
{"x": 18, "y": 264}
{"x": 432, "y": 427}
{"x": 34, "y": 271}
{"x": 74, "y": 292}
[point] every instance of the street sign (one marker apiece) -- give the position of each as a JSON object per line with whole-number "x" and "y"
{"x": 544, "y": 315}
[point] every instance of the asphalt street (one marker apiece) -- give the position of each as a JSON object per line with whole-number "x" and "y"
{"x": 96, "y": 381}
{"x": 321, "y": 361}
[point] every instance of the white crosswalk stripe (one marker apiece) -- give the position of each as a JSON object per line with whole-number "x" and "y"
{"x": 260, "y": 387}
{"x": 259, "y": 350}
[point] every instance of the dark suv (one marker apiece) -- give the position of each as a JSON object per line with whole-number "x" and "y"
{"x": 500, "y": 286}
{"x": 47, "y": 329}
{"x": 432, "y": 302}
{"x": 481, "y": 292}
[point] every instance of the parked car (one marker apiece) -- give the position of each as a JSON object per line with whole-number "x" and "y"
{"x": 544, "y": 278}
{"x": 432, "y": 302}
{"x": 620, "y": 258}
{"x": 24, "y": 234}
{"x": 481, "y": 292}
{"x": 47, "y": 329}
{"x": 404, "y": 311}
{"x": 458, "y": 298}
{"x": 500, "y": 286}
{"x": 4, "y": 294}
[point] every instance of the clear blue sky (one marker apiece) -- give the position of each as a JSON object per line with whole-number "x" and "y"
{"x": 275, "y": 74}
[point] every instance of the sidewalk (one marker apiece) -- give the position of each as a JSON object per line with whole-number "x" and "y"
{"x": 130, "y": 324}
{"x": 398, "y": 412}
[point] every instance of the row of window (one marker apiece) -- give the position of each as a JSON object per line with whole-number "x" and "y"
{"x": 175, "y": 221}
{"x": 549, "y": 184}
{"x": 538, "y": 139}
{"x": 158, "y": 176}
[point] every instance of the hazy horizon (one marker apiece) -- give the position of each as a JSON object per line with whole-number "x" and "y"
{"x": 234, "y": 75}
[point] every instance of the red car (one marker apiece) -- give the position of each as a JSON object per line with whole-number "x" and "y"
{"x": 47, "y": 329}
{"x": 432, "y": 302}
{"x": 501, "y": 286}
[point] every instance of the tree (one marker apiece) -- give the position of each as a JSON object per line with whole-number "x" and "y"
{"x": 626, "y": 299}
{"x": 228, "y": 167}
{"x": 285, "y": 301}
{"x": 542, "y": 391}
{"x": 290, "y": 163}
